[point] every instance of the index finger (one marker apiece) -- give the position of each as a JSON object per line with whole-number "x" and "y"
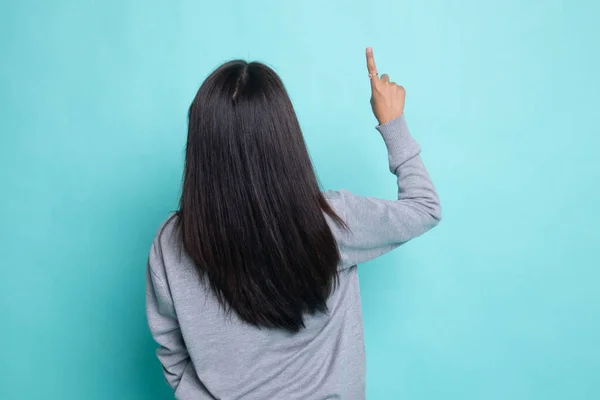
{"x": 371, "y": 62}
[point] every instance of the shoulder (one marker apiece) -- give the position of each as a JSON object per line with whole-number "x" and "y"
{"x": 342, "y": 201}
{"x": 165, "y": 245}
{"x": 337, "y": 198}
{"x": 167, "y": 229}
{"x": 167, "y": 234}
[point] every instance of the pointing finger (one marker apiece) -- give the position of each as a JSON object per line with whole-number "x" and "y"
{"x": 371, "y": 67}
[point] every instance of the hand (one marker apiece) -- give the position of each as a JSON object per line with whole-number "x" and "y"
{"x": 387, "y": 98}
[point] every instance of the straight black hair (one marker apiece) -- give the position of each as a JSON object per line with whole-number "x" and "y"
{"x": 251, "y": 214}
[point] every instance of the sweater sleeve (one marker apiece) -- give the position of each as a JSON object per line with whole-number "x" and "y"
{"x": 376, "y": 226}
{"x": 162, "y": 320}
{"x": 172, "y": 352}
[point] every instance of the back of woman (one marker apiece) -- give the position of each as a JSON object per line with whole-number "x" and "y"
{"x": 252, "y": 285}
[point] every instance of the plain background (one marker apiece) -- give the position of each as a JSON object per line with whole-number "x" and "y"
{"x": 501, "y": 301}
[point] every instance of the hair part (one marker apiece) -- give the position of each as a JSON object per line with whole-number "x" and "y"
{"x": 251, "y": 213}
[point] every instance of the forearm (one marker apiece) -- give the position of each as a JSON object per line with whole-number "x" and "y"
{"x": 414, "y": 184}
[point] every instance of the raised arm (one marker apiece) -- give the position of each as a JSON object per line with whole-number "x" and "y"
{"x": 376, "y": 226}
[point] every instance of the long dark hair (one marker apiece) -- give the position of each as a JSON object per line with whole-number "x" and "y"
{"x": 251, "y": 211}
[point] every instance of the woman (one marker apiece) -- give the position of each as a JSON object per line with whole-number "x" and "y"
{"x": 252, "y": 285}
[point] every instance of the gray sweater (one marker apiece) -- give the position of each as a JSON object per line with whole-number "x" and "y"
{"x": 207, "y": 355}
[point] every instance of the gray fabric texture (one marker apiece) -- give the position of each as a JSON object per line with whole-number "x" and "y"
{"x": 209, "y": 355}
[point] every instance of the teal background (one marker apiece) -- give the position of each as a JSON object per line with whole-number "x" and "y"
{"x": 500, "y": 301}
